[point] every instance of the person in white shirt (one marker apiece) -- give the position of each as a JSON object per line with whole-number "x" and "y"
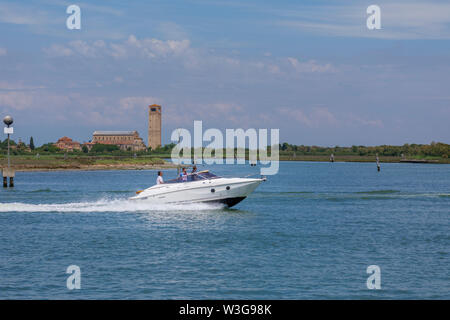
{"x": 159, "y": 179}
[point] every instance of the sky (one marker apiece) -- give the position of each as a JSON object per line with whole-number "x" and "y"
{"x": 309, "y": 68}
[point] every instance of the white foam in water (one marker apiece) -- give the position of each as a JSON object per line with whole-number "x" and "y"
{"x": 105, "y": 205}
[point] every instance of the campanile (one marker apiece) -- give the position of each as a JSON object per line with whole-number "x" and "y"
{"x": 154, "y": 126}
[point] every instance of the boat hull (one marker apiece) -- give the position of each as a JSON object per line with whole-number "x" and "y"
{"x": 229, "y": 202}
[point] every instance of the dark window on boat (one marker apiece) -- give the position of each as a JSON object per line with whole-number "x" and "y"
{"x": 208, "y": 175}
{"x": 194, "y": 177}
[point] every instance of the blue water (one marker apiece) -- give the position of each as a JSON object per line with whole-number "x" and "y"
{"x": 309, "y": 232}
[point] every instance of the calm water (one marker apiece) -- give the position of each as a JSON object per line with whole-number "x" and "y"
{"x": 308, "y": 232}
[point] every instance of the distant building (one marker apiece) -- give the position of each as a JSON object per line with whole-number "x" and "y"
{"x": 22, "y": 146}
{"x": 125, "y": 140}
{"x": 154, "y": 126}
{"x": 67, "y": 144}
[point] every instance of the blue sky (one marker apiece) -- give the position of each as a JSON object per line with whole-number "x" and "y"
{"x": 310, "y": 68}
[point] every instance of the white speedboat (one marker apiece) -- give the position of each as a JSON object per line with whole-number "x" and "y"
{"x": 200, "y": 187}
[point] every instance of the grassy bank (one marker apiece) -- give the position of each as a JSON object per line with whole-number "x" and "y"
{"x": 71, "y": 162}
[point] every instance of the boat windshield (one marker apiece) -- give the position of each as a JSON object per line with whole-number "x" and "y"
{"x": 207, "y": 175}
{"x": 202, "y": 175}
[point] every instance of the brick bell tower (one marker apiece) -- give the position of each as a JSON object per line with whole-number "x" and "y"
{"x": 154, "y": 126}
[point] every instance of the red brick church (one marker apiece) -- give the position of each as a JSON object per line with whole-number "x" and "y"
{"x": 67, "y": 144}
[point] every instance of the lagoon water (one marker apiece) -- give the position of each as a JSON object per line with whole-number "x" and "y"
{"x": 309, "y": 232}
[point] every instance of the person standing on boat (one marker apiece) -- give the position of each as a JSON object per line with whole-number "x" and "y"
{"x": 159, "y": 179}
{"x": 184, "y": 175}
{"x": 194, "y": 169}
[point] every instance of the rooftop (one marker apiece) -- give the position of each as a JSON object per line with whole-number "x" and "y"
{"x": 114, "y": 133}
{"x": 64, "y": 139}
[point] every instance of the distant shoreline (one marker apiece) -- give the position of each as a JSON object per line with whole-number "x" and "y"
{"x": 350, "y": 158}
{"x": 50, "y": 165}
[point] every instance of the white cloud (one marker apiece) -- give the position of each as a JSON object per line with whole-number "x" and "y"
{"x": 118, "y": 79}
{"x": 171, "y": 30}
{"x": 154, "y": 47}
{"x": 3, "y": 52}
{"x": 56, "y": 50}
{"x": 16, "y": 100}
{"x": 309, "y": 66}
{"x": 132, "y": 47}
{"x": 317, "y": 117}
{"x": 131, "y": 103}
{"x": 320, "y": 117}
{"x": 357, "y": 120}
{"x": 38, "y": 101}
{"x": 16, "y": 86}
{"x": 216, "y": 113}
{"x": 23, "y": 15}
{"x": 97, "y": 111}
{"x": 82, "y": 48}
{"x": 173, "y": 52}
{"x": 274, "y": 69}
{"x": 289, "y": 66}
{"x": 118, "y": 51}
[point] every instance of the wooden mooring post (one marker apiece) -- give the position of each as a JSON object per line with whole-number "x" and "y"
{"x": 8, "y": 173}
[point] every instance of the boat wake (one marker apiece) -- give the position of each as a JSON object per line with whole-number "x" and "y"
{"x": 106, "y": 205}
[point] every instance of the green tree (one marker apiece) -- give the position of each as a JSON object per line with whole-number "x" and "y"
{"x": 31, "y": 143}
{"x": 48, "y": 147}
{"x": 4, "y": 144}
{"x": 102, "y": 148}
{"x": 285, "y": 146}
